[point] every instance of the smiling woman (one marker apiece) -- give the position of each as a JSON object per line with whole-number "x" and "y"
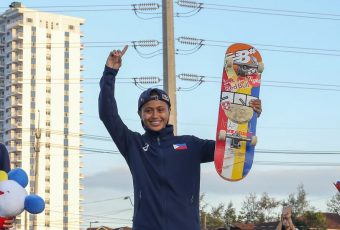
{"x": 154, "y": 109}
{"x": 165, "y": 168}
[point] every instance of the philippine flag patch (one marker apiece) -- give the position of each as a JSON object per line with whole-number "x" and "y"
{"x": 180, "y": 146}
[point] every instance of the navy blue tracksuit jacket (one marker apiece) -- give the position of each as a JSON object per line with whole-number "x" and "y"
{"x": 165, "y": 168}
{"x": 4, "y": 159}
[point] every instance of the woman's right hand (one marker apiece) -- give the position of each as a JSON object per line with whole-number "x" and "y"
{"x": 114, "y": 60}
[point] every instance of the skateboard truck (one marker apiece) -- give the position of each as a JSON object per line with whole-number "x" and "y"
{"x": 236, "y": 138}
{"x": 245, "y": 69}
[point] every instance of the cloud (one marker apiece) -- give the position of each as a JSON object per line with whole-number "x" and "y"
{"x": 277, "y": 182}
{"x": 117, "y": 178}
{"x": 282, "y": 181}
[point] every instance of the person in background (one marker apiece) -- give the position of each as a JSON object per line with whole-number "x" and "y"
{"x": 286, "y": 222}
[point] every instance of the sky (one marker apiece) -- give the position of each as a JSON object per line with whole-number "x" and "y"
{"x": 299, "y": 127}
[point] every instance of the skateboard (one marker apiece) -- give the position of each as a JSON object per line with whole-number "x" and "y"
{"x": 236, "y": 126}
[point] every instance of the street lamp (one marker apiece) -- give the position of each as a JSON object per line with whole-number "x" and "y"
{"x": 93, "y": 222}
{"x": 128, "y": 198}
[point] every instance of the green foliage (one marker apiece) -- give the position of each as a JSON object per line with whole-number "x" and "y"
{"x": 263, "y": 209}
{"x": 230, "y": 214}
{"x": 298, "y": 202}
{"x": 333, "y": 205}
{"x": 260, "y": 210}
{"x": 314, "y": 220}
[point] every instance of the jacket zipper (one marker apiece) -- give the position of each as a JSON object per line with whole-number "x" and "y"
{"x": 163, "y": 173}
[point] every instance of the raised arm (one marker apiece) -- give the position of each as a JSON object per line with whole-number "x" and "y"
{"x": 108, "y": 111}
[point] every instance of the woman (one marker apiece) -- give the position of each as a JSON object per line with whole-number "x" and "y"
{"x": 165, "y": 168}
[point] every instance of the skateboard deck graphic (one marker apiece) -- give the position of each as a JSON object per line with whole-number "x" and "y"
{"x": 236, "y": 127}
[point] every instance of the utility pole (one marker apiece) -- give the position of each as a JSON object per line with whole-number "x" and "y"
{"x": 169, "y": 72}
{"x": 37, "y": 133}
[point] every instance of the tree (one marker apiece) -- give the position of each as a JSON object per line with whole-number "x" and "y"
{"x": 229, "y": 214}
{"x": 211, "y": 220}
{"x": 203, "y": 213}
{"x": 249, "y": 209}
{"x": 299, "y": 203}
{"x": 267, "y": 206}
{"x": 215, "y": 218}
{"x": 314, "y": 220}
{"x": 258, "y": 211}
{"x": 333, "y": 205}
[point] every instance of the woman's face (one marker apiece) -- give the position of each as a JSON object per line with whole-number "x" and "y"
{"x": 155, "y": 115}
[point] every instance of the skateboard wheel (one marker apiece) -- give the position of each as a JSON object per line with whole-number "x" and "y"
{"x": 230, "y": 62}
{"x": 222, "y": 135}
{"x": 260, "y": 67}
{"x": 253, "y": 140}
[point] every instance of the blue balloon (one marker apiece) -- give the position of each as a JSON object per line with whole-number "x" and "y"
{"x": 34, "y": 204}
{"x": 18, "y": 175}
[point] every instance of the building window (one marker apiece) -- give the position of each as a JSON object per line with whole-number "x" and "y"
{"x": 30, "y": 20}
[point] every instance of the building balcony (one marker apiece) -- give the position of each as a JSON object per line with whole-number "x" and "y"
{"x": 17, "y": 69}
{"x": 14, "y": 136}
{"x": 18, "y": 58}
{"x": 16, "y": 24}
{"x": 17, "y": 103}
{"x": 15, "y": 148}
{"x": 16, "y": 47}
{"x": 16, "y": 159}
{"x": 16, "y": 114}
{"x": 19, "y": 35}
{"x": 16, "y": 81}
{"x": 16, "y": 125}
{"x": 81, "y": 187}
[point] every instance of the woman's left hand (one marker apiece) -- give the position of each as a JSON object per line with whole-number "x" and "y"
{"x": 256, "y": 105}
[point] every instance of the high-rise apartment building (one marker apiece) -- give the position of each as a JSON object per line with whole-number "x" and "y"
{"x": 40, "y": 110}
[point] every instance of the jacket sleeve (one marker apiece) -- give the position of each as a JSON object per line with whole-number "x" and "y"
{"x": 108, "y": 112}
{"x": 4, "y": 159}
{"x": 207, "y": 151}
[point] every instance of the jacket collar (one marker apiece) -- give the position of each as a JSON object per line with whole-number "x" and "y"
{"x": 167, "y": 131}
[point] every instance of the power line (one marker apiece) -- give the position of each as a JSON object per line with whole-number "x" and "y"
{"x": 107, "y": 138}
{"x": 256, "y": 10}
{"x": 263, "y": 151}
{"x": 198, "y": 43}
{"x": 287, "y": 163}
{"x": 144, "y": 80}
{"x": 281, "y": 84}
